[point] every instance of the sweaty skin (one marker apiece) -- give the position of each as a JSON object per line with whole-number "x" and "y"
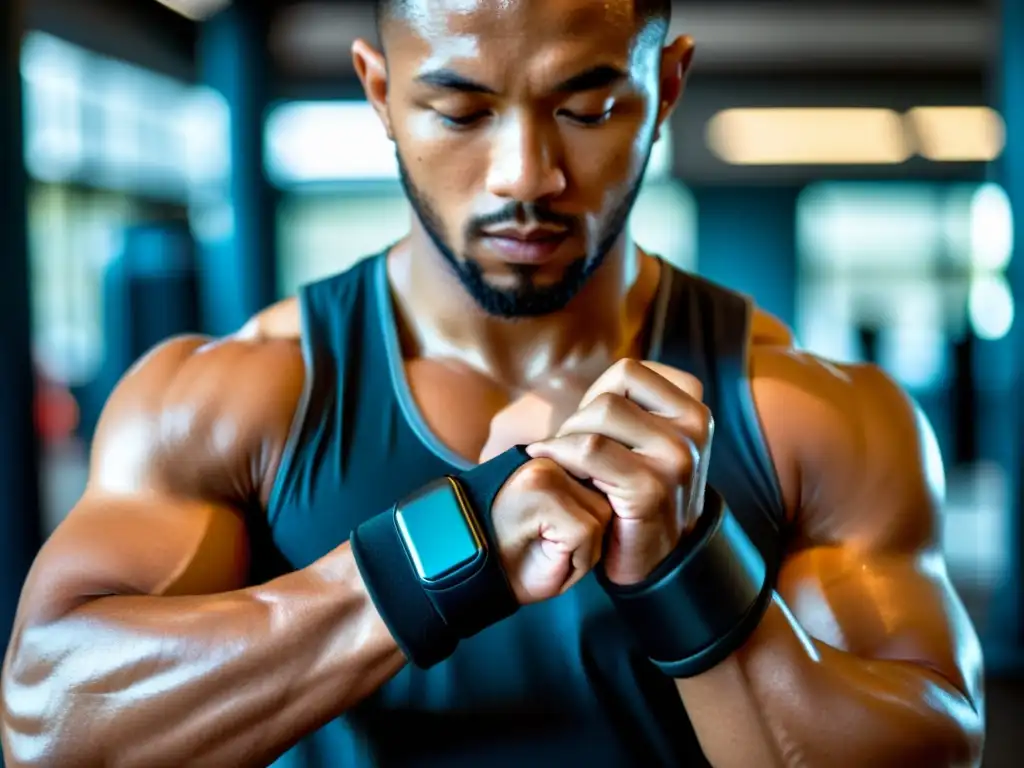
{"x": 138, "y": 641}
{"x": 867, "y": 656}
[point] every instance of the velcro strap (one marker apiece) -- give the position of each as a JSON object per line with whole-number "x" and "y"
{"x": 397, "y": 593}
{"x": 483, "y": 597}
{"x": 704, "y": 601}
{"x": 427, "y": 621}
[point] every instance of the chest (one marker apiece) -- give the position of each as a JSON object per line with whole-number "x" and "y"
{"x": 478, "y": 418}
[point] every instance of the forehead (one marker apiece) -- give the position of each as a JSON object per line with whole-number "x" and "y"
{"x": 495, "y": 31}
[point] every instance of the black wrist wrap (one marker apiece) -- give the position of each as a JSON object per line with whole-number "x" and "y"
{"x": 428, "y": 621}
{"x": 704, "y": 601}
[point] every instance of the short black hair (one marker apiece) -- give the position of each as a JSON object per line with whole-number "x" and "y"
{"x": 646, "y": 10}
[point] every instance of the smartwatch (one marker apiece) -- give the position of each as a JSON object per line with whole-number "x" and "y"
{"x": 440, "y": 532}
{"x": 431, "y": 563}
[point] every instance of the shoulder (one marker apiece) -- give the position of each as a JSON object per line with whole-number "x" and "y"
{"x": 766, "y": 330}
{"x": 856, "y": 457}
{"x": 200, "y": 417}
{"x": 285, "y": 319}
{"x": 278, "y": 321}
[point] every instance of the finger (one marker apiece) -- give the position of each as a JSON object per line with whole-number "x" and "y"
{"x": 574, "y": 528}
{"x": 547, "y": 479}
{"x": 593, "y": 502}
{"x": 687, "y": 382}
{"x": 610, "y": 466}
{"x": 627, "y": 423}
{"x": 654, "y": 392}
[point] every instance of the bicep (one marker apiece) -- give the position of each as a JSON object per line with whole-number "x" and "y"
{"x": 180, "y": 449}
{"x": 895, "y": 607}
{"x": 135, "y": 545}
{"x": 866, "y": 487}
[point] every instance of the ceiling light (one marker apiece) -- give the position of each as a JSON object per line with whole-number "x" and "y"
{"x": 812, "y": 136}
{"x": 957, "y": 134}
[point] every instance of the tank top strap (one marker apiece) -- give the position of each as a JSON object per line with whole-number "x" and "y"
{"x": 706, "y": 332}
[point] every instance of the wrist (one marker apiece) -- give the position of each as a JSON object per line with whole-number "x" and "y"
{"x": 701, "y": 602}
{"x": 431, "y": 564}
{"x": 375, "y": 635}
{"x": 647, "y": 551}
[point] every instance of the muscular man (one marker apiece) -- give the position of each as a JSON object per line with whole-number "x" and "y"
{"x": 264, "y": 569}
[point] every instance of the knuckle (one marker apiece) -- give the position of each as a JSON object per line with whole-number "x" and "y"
{"x": 629, "y": 367}
{"x": 680, "y": 462}
{"x": 575, "y": 531}
{"x": 538, "y": 475}
{"x": 592, "y": 445}
{"x": 690, "y": 383}
{"x": 706, "y": 423}
{"x": 606, "y": 404}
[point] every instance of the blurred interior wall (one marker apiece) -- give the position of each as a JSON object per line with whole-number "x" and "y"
{"x": 746, "y": 239}
{"x": 20, "y": 532}
{"x": 150, "y": 294}
{"x": 1010, "y": 82}
{"x": 237, "y": 219}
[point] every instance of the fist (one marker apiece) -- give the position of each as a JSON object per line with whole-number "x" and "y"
{"x": 642, "y": 437}
{"x": 550, "y": 530}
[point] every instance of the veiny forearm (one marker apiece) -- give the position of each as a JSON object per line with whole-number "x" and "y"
{"x": 231, "y": 679}
{"x": 789, "y": 701}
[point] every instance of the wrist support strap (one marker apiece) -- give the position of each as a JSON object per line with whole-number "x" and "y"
{"x": 704, "y": 601}
{"x": 428, "y": 614}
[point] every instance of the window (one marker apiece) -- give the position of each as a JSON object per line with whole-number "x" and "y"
{"x": 910, "y": 275}
{"x": 915, "y": 263}
{"x": 100, "y": 122}
{"x": 74, "y": 233}
{"x": 320, "y": 235}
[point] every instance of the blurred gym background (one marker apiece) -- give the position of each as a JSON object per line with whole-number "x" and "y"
{"x": 858, "y": 167}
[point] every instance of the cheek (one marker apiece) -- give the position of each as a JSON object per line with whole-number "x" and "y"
{"x": 605, "y": 164}
{"x": 451, "y": 159}
{"x": 445, "y": 172}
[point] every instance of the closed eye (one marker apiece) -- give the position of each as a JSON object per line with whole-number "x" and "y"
{"x": 461, "y": 121}
{"x": 588, "y": 120}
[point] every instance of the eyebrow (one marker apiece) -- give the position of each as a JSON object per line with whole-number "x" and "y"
{"x": 593, "y": 79}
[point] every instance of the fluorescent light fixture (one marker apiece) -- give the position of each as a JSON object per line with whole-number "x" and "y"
{"x": 990, "y": 307}
{"x": 855, "y": 136}
{"x": 991, "y": 228}
{"x": 328, "y": 141}
{"x": 808, "y": 136}
{"x": 957, "y": 134}
{"x": 197, "y": 10}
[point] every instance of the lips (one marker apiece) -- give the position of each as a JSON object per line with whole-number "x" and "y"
{"x": 526, "y": 247}
{"x": 537, "y": 234}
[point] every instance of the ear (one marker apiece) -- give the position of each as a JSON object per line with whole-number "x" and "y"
{"x": 372, "y": 70}
{"x": 676, "y": 60}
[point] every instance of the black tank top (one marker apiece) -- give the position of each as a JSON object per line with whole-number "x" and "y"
{"x": 559, "y": 683}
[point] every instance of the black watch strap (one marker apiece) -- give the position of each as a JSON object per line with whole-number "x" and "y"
{"x": 484, "y": 596}
{"x": 704, "y": 601}
{"x": 396, "y": 592}
{"x": 427, "y": 623}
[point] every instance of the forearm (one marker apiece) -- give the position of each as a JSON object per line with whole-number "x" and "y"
{"x": 787, "y": 700}
{"x": 230, "y": 679}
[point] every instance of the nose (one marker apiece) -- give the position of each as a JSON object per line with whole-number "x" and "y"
{"x": 525, "y": 163}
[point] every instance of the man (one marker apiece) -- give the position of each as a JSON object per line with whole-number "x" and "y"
{"x": 239, "y": 586}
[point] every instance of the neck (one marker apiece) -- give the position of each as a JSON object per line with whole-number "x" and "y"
{"x": 438, "y": 319}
